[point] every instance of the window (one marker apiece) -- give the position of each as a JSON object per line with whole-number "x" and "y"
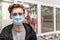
{"x": 47, "y": 24}
{"x": 31, "y": 11}
{"x": 58, "y": 19}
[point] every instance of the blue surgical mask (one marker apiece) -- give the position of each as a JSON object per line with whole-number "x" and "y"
{"x": 18, "y": 20}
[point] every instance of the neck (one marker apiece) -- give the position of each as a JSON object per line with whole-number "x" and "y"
{"x": 18, "y": 28}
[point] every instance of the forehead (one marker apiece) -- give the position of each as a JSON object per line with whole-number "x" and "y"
{"x": 17, "y": 10}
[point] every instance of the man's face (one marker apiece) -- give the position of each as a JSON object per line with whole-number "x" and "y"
{"x": 17, "y": 12}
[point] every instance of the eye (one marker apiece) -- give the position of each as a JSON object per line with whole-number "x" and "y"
{"x": 20, "y": 13}
{"x": 14, "y": 14}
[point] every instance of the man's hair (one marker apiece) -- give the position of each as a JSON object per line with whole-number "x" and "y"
{"x": 11, "y": 7}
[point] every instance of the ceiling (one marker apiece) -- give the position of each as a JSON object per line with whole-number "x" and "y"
{"x": 55, "y": 2}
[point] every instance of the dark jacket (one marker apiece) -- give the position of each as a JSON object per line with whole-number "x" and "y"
{"x": 7, "y": 32}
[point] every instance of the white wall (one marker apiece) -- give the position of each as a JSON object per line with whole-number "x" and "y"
{"x": 54, "y": 2}
{"x": 5, "y": 15}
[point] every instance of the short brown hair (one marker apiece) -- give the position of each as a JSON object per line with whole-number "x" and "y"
{"x": 11, "y": 7}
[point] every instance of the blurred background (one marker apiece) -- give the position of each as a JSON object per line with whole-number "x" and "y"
{"x": 42, "y": 15}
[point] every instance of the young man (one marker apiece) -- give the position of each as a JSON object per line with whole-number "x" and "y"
{"x": 18, "y": 30}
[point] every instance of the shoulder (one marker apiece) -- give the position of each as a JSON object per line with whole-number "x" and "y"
{"x": 7, "y": 28}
